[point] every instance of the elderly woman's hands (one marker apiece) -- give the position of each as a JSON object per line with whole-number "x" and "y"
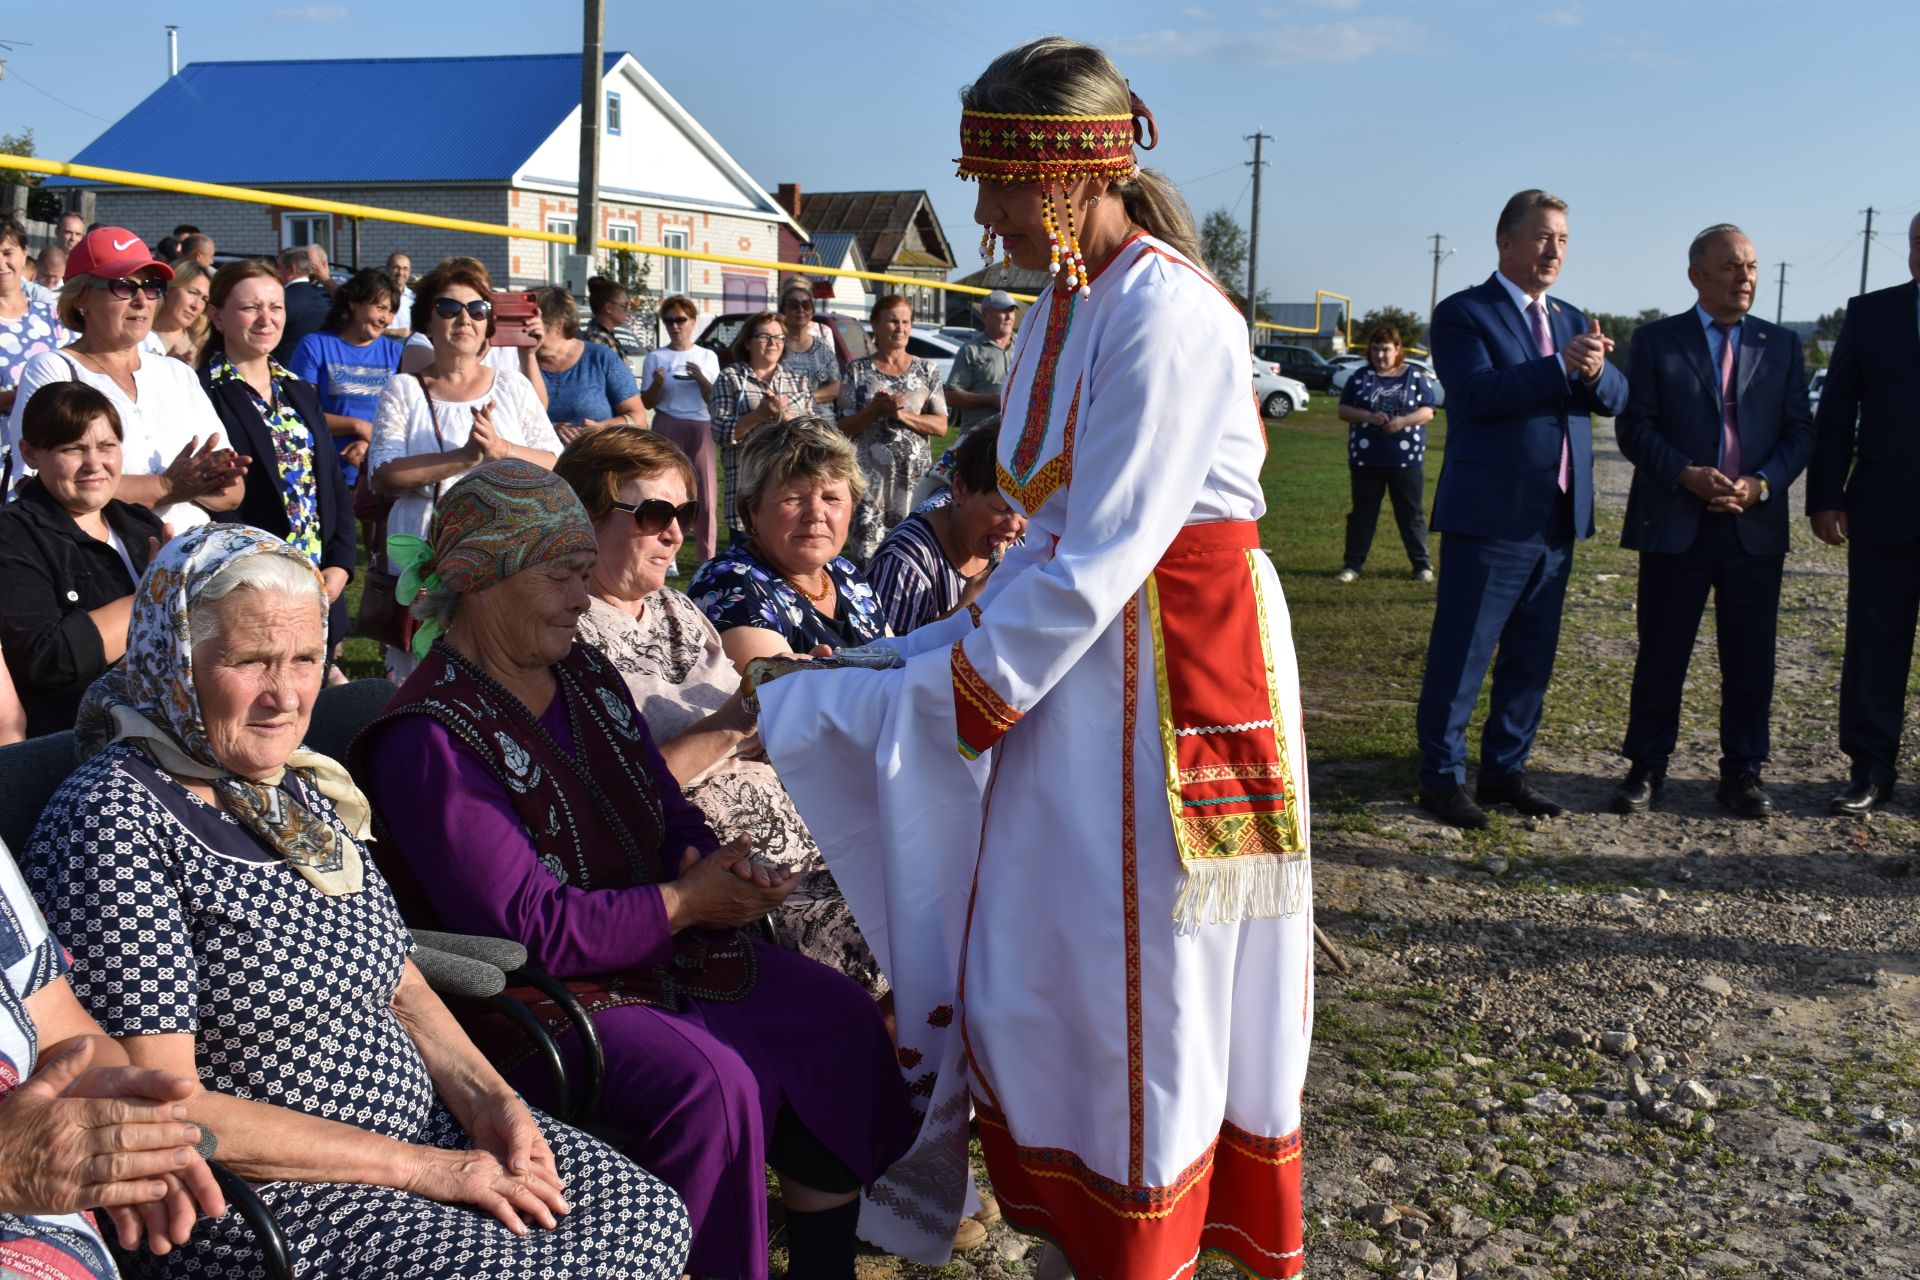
{"x": 477, "y": 1177}
{"x": 726, "y": 888}
{"x": 71, "y": 1139}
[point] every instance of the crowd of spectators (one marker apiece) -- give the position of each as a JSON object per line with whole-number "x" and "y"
{"x": 199, "y": 460}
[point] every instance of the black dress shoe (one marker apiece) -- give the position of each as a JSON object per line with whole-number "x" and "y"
{"x": 1514, "y": 789}
{"x": 1742, "y": 793}
{"x": 1453, "y": 807}
{"x": 1636, "y": 792}
{"x": 1861, "y": 798}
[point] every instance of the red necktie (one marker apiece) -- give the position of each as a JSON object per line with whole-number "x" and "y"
{"x": 1729, "y": 415}
{"x": 1544, "y": 340}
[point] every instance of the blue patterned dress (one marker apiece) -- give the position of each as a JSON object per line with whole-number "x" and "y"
{"x": 57, "y": 1246}
{"x": 287, "y": 993}
{"x": 737, "y": 589}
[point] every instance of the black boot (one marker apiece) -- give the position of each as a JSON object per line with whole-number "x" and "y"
{"x": 820, "y": 1246}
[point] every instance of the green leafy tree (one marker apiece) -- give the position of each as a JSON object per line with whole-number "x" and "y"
{"x": 1620, "y": 328}
{"x": 1223, "y": 243}
{"x": 1413, "y": 330}
{"x": 42, "y": 205}
{"x": 1828, "y": 325}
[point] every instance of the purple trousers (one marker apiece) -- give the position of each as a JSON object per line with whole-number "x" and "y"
{"x": 692, "y": 1096}
{"x": 695, "y": 436}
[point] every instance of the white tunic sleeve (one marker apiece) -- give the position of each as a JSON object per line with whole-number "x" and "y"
{"x": 1164, "y": 382}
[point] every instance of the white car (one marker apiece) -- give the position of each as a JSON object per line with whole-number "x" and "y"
{"x": 1344, "y": 375}
{"x": 1278, "y": 394}
{"x": 1815, "y": 385}
{"x": 929, "y": 344}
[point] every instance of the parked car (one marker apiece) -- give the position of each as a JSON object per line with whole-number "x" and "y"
{"x": 1815, "y": 384}
{"x": 928, "y": 343}
{"x": 1278, "y": 394}
{"x": 1345, "y": 374}
{"x": 1303, "y": 364}
{"x": 850, "y": 340}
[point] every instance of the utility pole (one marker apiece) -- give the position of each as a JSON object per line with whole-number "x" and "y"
{"x": 592, "y": 96}
{"x": 1780, "y": 306}
{"x": 1433, "y": 298}
{"x": 1253, "y": 243}
{"x": 1866, "y": 248}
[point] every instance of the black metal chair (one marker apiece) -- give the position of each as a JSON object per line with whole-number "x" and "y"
{"x": 30, "y": 772}
{"x": 339, "y": 714}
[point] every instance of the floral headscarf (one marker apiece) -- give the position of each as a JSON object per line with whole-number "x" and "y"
{"x": 150, "y": 698}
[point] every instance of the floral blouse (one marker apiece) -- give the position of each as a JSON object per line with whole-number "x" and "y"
{"x": 893, "y": 456}
{"x": 817, "y": 366}
{"x": 292, "y": 454}
{"x": 22, "y": 337}
{"x": 737, "y": 589}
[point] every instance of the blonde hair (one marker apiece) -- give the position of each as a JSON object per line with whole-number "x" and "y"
{"x": 808, "y": 450}
{"x": 1055, "y": 76}
{"x": 185, "y": 273}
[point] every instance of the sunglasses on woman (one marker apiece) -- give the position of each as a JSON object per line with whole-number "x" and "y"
{"x": 124, "y": 289}
{"x": 652, "y": 516}
{"x": 448, "y": 308}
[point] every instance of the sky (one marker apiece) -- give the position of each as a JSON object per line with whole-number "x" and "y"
{"x": 1389, "y": 121}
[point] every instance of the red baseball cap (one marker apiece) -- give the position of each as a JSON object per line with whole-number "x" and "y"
{"x": 112, "y": 252}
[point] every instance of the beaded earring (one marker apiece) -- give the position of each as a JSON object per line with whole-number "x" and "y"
{"x": 988, "y": 242}
{"x": 1076, "y": 262}
{"x": 1052, "y": 225}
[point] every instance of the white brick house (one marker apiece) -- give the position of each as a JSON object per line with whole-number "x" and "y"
{"x": 512, "y": 161}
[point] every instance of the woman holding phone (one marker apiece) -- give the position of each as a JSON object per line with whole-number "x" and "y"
{"x": 675, "y": 381}
{"x": 432, "y": 427}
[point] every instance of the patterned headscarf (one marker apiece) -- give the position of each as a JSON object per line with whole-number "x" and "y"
{"x": 502, "y": 517}
{"x": 150, "y": 698}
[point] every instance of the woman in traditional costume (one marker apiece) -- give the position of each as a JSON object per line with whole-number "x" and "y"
{"x": 1129, "y": 911}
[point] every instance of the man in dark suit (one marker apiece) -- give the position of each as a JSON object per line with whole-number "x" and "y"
{"x": 1859, "y": 491}
{"x": 1522, "y": 371}
{"x": 1716, "y": 427}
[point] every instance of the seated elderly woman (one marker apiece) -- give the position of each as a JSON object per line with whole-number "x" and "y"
{"x": 524, "y": 797}
{"x": 937, "y": 561}
{"x": 786, "y": 588}
{"x": 636, "y": 487}
{"x": 199, "y": 847}
{"x": 68, "y": 1103}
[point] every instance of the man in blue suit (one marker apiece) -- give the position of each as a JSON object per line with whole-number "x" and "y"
{"x": 1522, "y": 372}
{"x": 1860, "y": 492}
{"x": 1717, "y": 427}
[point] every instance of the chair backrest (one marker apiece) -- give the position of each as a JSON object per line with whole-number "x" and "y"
{"x": 342, "y": 711}
{"x": 30, "y": 772}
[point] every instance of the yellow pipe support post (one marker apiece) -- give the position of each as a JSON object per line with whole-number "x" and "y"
{"x": 287, "y": 200}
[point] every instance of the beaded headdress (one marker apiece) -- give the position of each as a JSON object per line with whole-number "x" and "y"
{"x": 998, "y": 146}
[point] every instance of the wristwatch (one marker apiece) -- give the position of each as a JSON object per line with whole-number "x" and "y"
{"x": 1766, "y": 490}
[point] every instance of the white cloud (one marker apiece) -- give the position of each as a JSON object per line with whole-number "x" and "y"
{"x": 312, "y": 13}
{"x": 1194, "y": 13}
{"x": 1571, "y": 16}
{"x": 1636, "y": 51}
{"x": 1347, "y": 40}
{"x": 1339, "y": 6}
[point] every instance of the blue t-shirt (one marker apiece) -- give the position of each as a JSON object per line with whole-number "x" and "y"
{"x": 348, "y": 378}
{"x": 1371, "y": 446}
{"x": 587, "y": 392}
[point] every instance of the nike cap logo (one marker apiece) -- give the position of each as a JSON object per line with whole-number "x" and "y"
{"x": 121, "y": 246}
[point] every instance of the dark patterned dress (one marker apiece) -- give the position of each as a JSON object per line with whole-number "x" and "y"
{"x": 672, "y": 661}
{"x": 288, "y": 995}
{"x": 737, "y": 589}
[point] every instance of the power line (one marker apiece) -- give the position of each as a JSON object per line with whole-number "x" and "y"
{"x": 1216, "y": 173}
{"x": 1866, "y": 246}
{"x": 62, "y": 101}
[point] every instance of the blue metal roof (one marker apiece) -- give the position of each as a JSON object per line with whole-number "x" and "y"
{"x": 832, "y": 246}
{"x": 346, "y": 120}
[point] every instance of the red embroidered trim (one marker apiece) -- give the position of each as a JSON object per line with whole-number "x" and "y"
{"x": 1050, "y": 478}
{"x": 1130, "y": 893}
{"x": 1033, "y": 432}
{"x": 982, "y": 716}
{"x": 1017, "y": 148}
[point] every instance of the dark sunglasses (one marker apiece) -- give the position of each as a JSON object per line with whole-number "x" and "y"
{"x": 797, "y": 304}
{"x": 676, "y": 319}
{"x": 124, "y": 289}
{"x": 448, "y": 308}
{"x": 654, "y": 515}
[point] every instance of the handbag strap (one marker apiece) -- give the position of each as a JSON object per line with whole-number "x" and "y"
{"x": 6, "y": 468}
{"x": 440, "y": 444}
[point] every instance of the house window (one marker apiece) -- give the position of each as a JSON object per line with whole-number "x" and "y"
{"x": 743, "y": 293}
{"x": 297, "y": 229}
{"x": 557, "y": 253}
{"x": 613, "y": 113}
{"x": 623, "y": 266}
{"x": 674, "y": 278}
